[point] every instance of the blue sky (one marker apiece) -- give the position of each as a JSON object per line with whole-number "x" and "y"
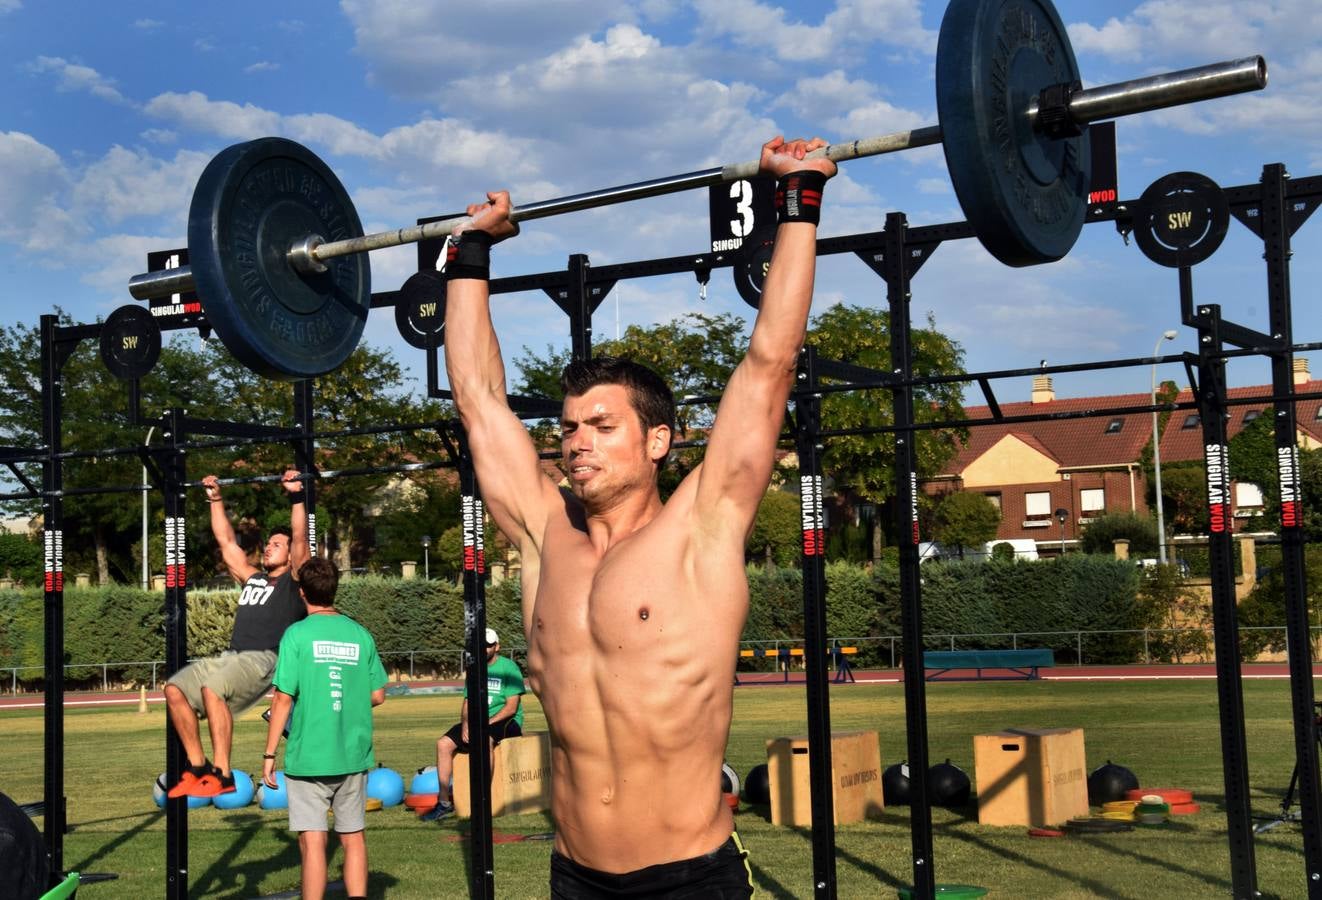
{"x": 112, "y": 110}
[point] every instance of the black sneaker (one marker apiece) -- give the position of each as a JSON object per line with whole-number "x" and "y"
{"x": 440, "y": 812}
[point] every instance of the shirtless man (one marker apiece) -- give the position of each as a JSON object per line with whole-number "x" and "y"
{"x": 633, "y": 609}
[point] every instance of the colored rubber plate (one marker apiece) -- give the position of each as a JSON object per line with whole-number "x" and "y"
{"x": 1045, "y": 832}
{"x": 1185, "y": 809}
{"x": 253, "y": 202}
{"x": 1170, "y": 795}
{"x": 421, "y": 802}
{"x": 1025, "y": 194}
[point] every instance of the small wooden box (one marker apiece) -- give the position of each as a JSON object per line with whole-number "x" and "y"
{"x": 855, "y": 778}
{"x": 1030, "y": 776}
{"x": 520, "y": 780}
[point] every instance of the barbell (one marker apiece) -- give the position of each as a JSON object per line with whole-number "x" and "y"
{"x": 278, "y": 255}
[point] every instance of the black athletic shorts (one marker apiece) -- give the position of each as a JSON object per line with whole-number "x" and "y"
{"x": 507, "y": 728}
{"x": 723, "y": 874}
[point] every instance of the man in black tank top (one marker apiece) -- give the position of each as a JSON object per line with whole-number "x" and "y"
{"x": 220, "y": 687}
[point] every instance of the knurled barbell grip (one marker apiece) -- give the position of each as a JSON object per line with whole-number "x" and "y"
{"x": 1085, "y": 106}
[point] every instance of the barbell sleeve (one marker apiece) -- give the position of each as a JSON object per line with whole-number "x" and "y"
{"x": 1082, "y": 107}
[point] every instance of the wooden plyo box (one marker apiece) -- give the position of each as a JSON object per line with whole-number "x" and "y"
{"x": 520, "y": 778}
{"x": 1030, "y": 776}
{"x": 855, "y": 778}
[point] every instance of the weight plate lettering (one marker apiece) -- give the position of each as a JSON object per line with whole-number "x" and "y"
{"x": 1025, "y": 194}
{"x": 252, "y": 203}
{"x": 130, "y": 342}
{"x": 750, "y": 272}
{"x": 420, "y": 310}
{"x": 1181, "y": 219}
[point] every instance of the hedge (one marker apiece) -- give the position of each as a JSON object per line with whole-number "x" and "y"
{"x": 1073, "y": 593}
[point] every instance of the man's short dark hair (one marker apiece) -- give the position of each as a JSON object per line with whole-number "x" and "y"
{"x": 649, "y": 394}
{"x": 282, "y": 529}
{"x": 319, "y": 578}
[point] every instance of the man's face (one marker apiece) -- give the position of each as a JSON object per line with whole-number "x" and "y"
{"x": 276, "y": 553}
{"x": 607, "y": 454}
{"x": 492, "y": 650}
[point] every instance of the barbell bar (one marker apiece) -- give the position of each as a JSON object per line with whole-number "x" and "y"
{"x": 1084, "y": 106}
{"x": 279, "y": 258}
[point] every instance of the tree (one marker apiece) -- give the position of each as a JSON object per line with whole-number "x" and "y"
{"x": 1253, "y": 459}
{"x": 1184, "y": 497}
{"x": 777, "y": 534}
{"x": 966, "y": 519}
{"x": 1101, "y": 533}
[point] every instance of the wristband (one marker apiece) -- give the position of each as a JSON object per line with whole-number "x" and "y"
{"x": 296, "y": 497}
{"x": 469, "y": 256}
{"x": 268, "y": 756}
{"x": 799, "y": 196}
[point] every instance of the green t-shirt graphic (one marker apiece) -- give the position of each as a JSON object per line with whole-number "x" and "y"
{"x": 504, "y": 680}
{"x": 329, "y": 664}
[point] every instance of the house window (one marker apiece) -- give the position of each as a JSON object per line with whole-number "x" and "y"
{"x": 995, "y": 500}
{"x": 1190, "y": 421}
{"x": 1247, "y": 495}
{"x": 1114, "y": 426}
{"x": 1251, "y": 415}
{"x": 1037, "y": 505}
{"x": 1318, "y": 414}
{"x": 1092, "y": 500}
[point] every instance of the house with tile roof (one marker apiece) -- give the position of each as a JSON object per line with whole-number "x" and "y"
{"x": 1090, "y": 466}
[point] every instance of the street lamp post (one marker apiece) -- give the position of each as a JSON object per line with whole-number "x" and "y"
{"x": 1061, "y": 515}
{"x": 426, "y": 558}
{"x": 1156, "y": 453}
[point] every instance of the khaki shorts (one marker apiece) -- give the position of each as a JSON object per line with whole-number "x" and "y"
{"x": 310, "y": 798}
{"x": 239, "y": 678}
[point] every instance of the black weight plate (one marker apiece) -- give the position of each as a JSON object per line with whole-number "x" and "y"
{"x": 420, "y": 310}
{"x": 1181, "y": 219}
{"x": 252, "y": 203}
{"x": 1024, "y": 194}
{"x": 130, "y": 342}
{"x": 750, "y": 272}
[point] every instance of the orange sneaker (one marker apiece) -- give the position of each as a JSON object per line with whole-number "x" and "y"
{"x": 212, "y": 784}
{"x": 188, "y": 781}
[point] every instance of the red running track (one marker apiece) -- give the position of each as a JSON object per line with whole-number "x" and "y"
{"x": 1194, "y": 672}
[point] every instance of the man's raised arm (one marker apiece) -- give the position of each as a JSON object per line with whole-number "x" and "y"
{"x": 236, "y": 561}
{"x": 513, "y": 487}
{"x": 299, "y": 549}
{"x": 741, "y": 448}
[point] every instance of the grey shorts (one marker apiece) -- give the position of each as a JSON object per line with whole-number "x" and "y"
{"x": 310, "y": 798}
{"x": 239, "y": 678}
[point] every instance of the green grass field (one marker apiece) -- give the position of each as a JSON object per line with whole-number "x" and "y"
{"x": 1165, "y": 731}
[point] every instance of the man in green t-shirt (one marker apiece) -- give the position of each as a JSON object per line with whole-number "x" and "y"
{"x": 329, "y": 663}
{"x": 504, "y": 715}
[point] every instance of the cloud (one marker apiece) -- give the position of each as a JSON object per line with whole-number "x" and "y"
{"x": 32, "y": 181}
{"x": 416, "y": 47}
{"x": 263, "y": 66}
{"x": 72, "y": 77}
{"x": 852, "y": 24}
{"x": 125, "y": 184}
{"x": 8, "y": 6}
{"x": 148, "y": 24}
{"x": 196, "y": 112}
{"x": 160, "y": 135}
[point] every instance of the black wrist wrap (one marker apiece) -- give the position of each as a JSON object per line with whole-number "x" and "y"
{"x": 298, "y": 497}
{"x": 469, "y": 256}
{"x": 799, "y": 196}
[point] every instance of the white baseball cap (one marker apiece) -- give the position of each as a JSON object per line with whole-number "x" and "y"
{"x": 492, "y": 637}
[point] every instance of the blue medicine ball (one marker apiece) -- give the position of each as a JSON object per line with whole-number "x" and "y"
{"x": 425, "y": 782}
{"x": 159, "y": 789}
{"x": 273, "y": 798}
{"x": 385, "y": 785}
{"x": 242, "y": 795}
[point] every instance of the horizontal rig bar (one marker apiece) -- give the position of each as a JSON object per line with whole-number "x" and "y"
{"x": 1084, "y": 106}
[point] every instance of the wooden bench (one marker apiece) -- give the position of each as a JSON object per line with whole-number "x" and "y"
{"x": 520, "y": 778}
{"x": 1023, "y": 663}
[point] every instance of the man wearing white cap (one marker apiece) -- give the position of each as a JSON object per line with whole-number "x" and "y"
{"x": 504, "y": 718}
